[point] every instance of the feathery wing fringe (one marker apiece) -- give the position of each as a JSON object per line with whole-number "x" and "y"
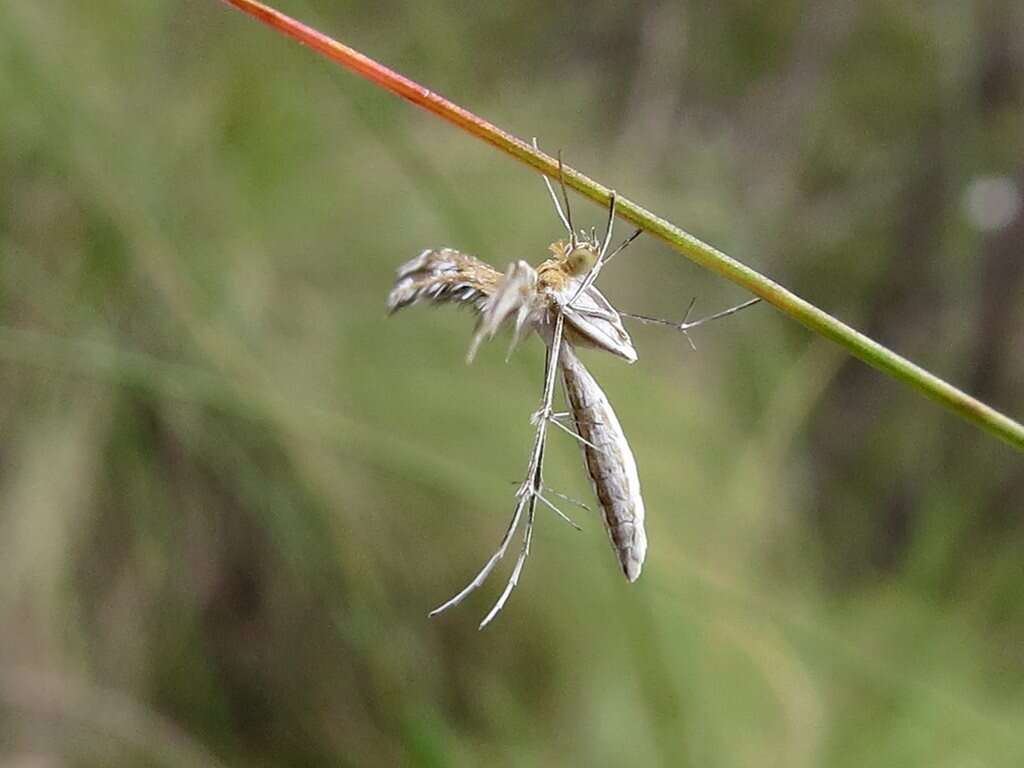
{"x": 444, "y": 275}
{"x": 515, "y": 295}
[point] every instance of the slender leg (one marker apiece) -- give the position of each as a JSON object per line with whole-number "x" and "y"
{"x": 554, "y": 198}
{"x": 565, "y": 199}
{"x": 527, "y": 493}
{"x": 540, "y": 497}
{"x": 489, "y": 566}
{"x": 622, "y": 246}
{"x": 534, "y": 480}
{"x": 574, "y": 433}
{"x": 570, "y": 499}
{"x": 686, "y": 325}
{"x": 513, "y": 579}
{"x": 548, "y": 503}
{"x": 608, "y": 227}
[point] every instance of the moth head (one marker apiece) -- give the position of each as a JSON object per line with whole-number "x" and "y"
{"x": 581, "y": 259}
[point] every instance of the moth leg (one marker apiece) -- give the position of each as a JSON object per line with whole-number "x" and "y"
{"x": 526, "y": 494}
{"x": 550, "y": 505}
{"x": 609, "y": 227}
{"x": 554, "y": 197}
{"x": 687, "y": 325}
{"x": 530, "y": 490}
{"x": 489, "y": 566}
{"x": 575, "y": 434}
{"x": 622, "y": 246}
{"x": 570, "y": 499}
{"x": 513, "y": 579}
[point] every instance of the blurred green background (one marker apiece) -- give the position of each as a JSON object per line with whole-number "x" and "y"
{"x": 231, "y": 489}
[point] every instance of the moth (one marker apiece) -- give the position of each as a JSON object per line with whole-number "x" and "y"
{"x": 559, "y": 302}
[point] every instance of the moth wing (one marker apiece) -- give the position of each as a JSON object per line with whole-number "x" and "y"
{"x": 596, "y": 322}
{"x": 444, "y": 275}
{"x": 610, "y": 464}
{"x": 513, "y": 295}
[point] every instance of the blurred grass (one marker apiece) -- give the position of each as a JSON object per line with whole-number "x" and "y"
{"x": 230, "y": 491}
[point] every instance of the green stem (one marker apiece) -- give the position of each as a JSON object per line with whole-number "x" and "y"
{"x": 866, "y": 349}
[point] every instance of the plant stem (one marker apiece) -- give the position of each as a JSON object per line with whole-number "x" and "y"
{"x": 694, "y": 249}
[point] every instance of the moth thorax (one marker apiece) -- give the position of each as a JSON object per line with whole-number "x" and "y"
{"x": 580, "y": 260}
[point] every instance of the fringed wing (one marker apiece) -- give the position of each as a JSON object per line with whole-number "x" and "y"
{"x": 610, "y": 464}
{"x": 515, "y": 296}
{"x": 444, "y": 275}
